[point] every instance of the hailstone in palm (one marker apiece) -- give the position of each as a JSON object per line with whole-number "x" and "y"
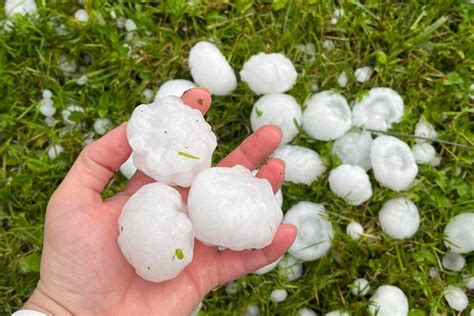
{"x": 350, "y": 183}
{"x": 456, "y": 298}
{"x": 175, "y": 87}
{"x": 423, "y": 153}
{"x": 399, "y": 218}
{"x": 354, "y": 149}
{"x": 460, "y": 233}
{"x": 388, "y": 300}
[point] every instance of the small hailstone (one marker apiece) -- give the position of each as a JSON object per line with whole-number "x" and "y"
{"x": 280, "y": 110}
{"x": 121, "y": 22}
{"x": 354, "y": 230}
{"x": 306, "y": 312}
{"x": 49, "y": 120}
{"x": 423, "y": 153}
{"x": 342, "y": 80}
{"x": 360, "y": 287}
{"x": 47, "y": 94}
{"x": 196, "y": 309}
{"x": 68, "y": 67}
{"x": 128, "y": 169}
{"x": 113, "y": 15}
{"x": 147, "y": 94}
{"x": 337, "y": 313}
{"x": 155, "y": 234}
{"x": 388, "y": 300}
{"x": 68, "y": 111}
{"x": 336, "y": 15}
{"x": 315, "y": 232}
{"x": 290, "y": 267}
{"x": 378, "y": 110}
{"x": 269, "y": 267}
{"x": 171, "y": 142}
{"x": 434, "y": 273}
{"x": 130, "y": 25}
{"x": 81, "y": 15}
{"x": 453, "y": 261}
{"x": 471, "y": 91}
{"x": 269, "y": 73}
{"x": 333, "y": 21}
{"x": 302, "y": 165}
{"x": 460, "y": 233}
{"x": 129, "y": 36}
{"x": 232, "y": 287}
{"x": 210, "y": 68}
{"x": 393, "y": 163}
{"x": 363, "y": 74}
{"x": 350, "y": 183}
{"x": 354, "y": 149}
{"x": 278, "y": 295}
{"x": 399, "y": 218}
{"x": 82, "y": 80}
{"x": 54, "y": 151}
{"x": 469, "y": 282}
{"x": 252, "y": 310}
{"x": 327, "y": 116}
{"x": 314, "y": 87}
{"x": 102, "y": 125}
{"x": 456, "y": 298}
{"x": 426, "y": 130}
{"x": 22, "y": 7}
{"x": 328, "y": 45}
{"x": 175, "y": 87}
{"x": 309, "y": 48}
{"x": 47, "y": 107}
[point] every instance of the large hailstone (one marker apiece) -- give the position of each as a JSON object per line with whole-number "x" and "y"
{"x": 399, "y": 218}
{"x": 378, "y": 110}
{"x": 290, "y": 267}
{"x": 393, "y": 163}
{"x": 269, "y": 73}
{"x": 314, "y": 231}
{"x": 423, "y": 153}
{"x": 302, "y": 165}
{"x": 231, "y": 208}
{"x": 280, "y": 110}
{"x": 456, "y": 298}
{"x": 156, "y": 236}
{"x": 209, "y": 68}
{"x": 22, "y": 7}
{"x": 350, "y": 183}
{"x": 425, "y": 130}
{"x": 171, "y": 142}
{"x": 327, "y": 116}
{"x": 354, "y": 149}
{"x": 460, "y": 233}
{"x": 175, "y": 87}
{"x": 388, "y": 300}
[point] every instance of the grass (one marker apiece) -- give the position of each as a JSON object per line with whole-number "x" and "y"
{"x": 421, "y": 49}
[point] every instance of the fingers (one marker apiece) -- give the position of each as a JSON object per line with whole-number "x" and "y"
{"x": 274, "y": 172}
{"x": 198, "y": 98}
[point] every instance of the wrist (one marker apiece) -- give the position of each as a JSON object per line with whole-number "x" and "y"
{"x": 41, "y": 302}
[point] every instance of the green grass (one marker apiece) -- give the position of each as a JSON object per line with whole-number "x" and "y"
{"x": 423, "y": 50}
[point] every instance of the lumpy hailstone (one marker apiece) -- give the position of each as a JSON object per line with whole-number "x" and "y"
{"x": 363, "y": 74}
{"x": 22, "y": 7}
{"x": 128, "y": 169}
{"x": 378, "y": 110}
{"x": 423, "y": 153}
{"x": 354, "y": 230}
{"x": 327, "y": 116}
{"x": 171, "y": 142}
{"x": 350, "y": 183}
{"x": 280, "y": 110}
{"x": 354, "y": 149}
{"x": 456, "y": 298}
{"x": 269, "y": 73}
{"x": 399, "y": 218}
{"x": 278, "y": 295}
{"x": 231, "y": 208}
{"x": 175, "y": 87}
{"x": 314, "y": 231}
{"x": 302, "y": 165}
{"x": 393, "y": 163}
{"x": 155, "y": 234}
{"x": 360, "y": 287}
{"x": 290, "y": 267}
{"x": 209, "y": 68}
{"x": 389, "y": 300}
{"x": 425, "y": 130}
{"x": 453, "y": 261}
{"x": 460, "y": 233}
{"x": 269, "y": 267}
{"x": 102, "y": 125}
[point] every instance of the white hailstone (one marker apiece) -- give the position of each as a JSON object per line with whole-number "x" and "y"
{"x": 147, "y": 94}
{"x": 54, "y": 151}
{"x": 436, "y": 161}
{"x": 460, "y": 233}
{"x": 453, "y": 261}
{"x": 47, "y": 107}
{"x": 302, "y": 165}
{"x": 68, "y": 67}
{"x": 388, "y": 300}
{"x": 129, "y": 36}
{"x": 269, "y": 267}
{"x": 196, "y": 309}
{"x": 269, "y": 73}
{"x": 378, "y": 110}
{"x": 22, "y": 7}
{"x": 121, "y": 22}
{"x": 210, "y": 68}
{"x": 471, "y": 91}
{"x": 232, "y": 287}
{"x": 336, "y": 15}
{"x": 434, "y": 272}
{"x": 280, "y": 110}
{"x": 423, "y": 153}
{"x": 72, "y": 108}
{"x": 360, "y": 287}
{"x": 426, "y": 130}
{"x": 350, "y": 183}
{"x": 290, "y": 267}
{"x": 130, "y": 25}
{"x": 306, "y": 312}
{"x": 354, "y": 230}
{"x": 102, "y": 125}
{"x": 113, "y": 15}
{"x": 128, "y": 169}
{"x": 171, "y": 142}
{"x": 315, "y": 232}
{"x": 155, "y": 234}
{"x": 81, "y": 15}
{"x": 337, "y": 313}
{"x": 47, "y": 94}
{"x": 278, "y": 295}
{"x": 393, "y": 163}
{"x": 49, "y": 120}
{"x": 353, "y": 148}
{"x": 82, "y": 80}
{"x": 456, "y": 298}
{"x": 314, "y": 87}
{"x": 328, "y": 45}
{"x": 469, "y": 281}
{"x": 309, "y": 48}
{"x": 175, "y": 87}
{"x": 342, "y": 80}
{"x": 399, "y": 218}
{"x": 363, "y": 74}
{"x": 252, "y": 310}
{"x": 6, "y": 26}
{"x": 231, "y": 208}
{"x": 327, "y": 116}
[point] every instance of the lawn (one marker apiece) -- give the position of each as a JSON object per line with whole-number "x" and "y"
{"x": 422, "y": 49}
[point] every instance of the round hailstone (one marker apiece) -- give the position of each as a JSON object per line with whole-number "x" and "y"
{"x": 290, "y": 267}
{"x": 354, "y": 230}
{"x": 49, "y": 120}
{"x": 306, "y": 312}
{"x": 269, "y": 73}
{"x": 426, "y": 130}
{"x": 360, "y": 287}
{"x": 456, "y": 298}
{"x": 423, "y": 153}
{"x": 231, "y": 208}
{"x": 350, "y": 183}
{"x": 148, "y": 94}
{"x": 22, "y": 7}
{"x": 314, "y": 231}
{"x": 47, "y": 107}
{"x": 54, "y": 151}
{"x": 128, "y": 169}
{"x": 269, "y": 267}
{"x": 252, "y": 310}
{"x": 393, "y": 163}
{"x": 453, "y": 261}
{"x": 342, "y": 80}
{"x": 175, "y": 87}
{"x": 232, "y": 287}
{"x": 280, "y": 110}
{"x": 82, "y": 80}
{"x": 363, "y": 74}
{"x": 302, "y": 165}
{"x": 102, "y": 125}
{"x": 210, "y": 68}
{"x": 171, "y": 142}
{"x": 47, "y": 94}
{"x": 70, "y": 109}
{"x": 337, "y": 313}
{"x": 399, "y": 218}
{"x": 328, "y": 45}
{"x": 81, "y": 15}
{"x": 278, "y": 295}
{"x": 378, "y": 110}
{"x": 155, "y": 234}
{"x": 327, "y": 116}
{"x": 388, "y": 300}
{"x": 130, "y": 25}
{"x": 354, "y": 149}
{"x": 460, "y": 233}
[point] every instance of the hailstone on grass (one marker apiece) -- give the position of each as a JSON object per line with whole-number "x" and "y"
{"x": 128, "y": 169}
{"x": 102, "y": 125}
{"x": 67, "y": 66}
{"x": 175, "y": 87}
{"x": 425, "y": 130}
{"x": 269, "y": 267}
{"x": 290, "y": 267}
{"x": 171, "y": 142}
{"x": 460, "y": 233}
{"x": 469, "y": 282}
{"x": 280, "y": 110}
{"x": 315, "y": 232}
{"x": 231, "y": 208}
{"x": 393, "y": 163}
{"x": 354, "y": 230}
{"x": 278, "y": 295}
{"x": 399, "y": 218}
{"x": 328, "y": 45}
{"x": 337, "y": 313}
{"x": 22, "y": 7}
{"x": 350, "y": 183}
{"x": 71, "y": 109}
{"x": 269, "y": 73}
{"x": 453, "y": 261}
{"x": 306, "y": 312}
{"x": 388, "y": 300}
{"x": 423, "y": 153}
{"x": 82, "y": 80}
{"x": 302, "y": 165}
{"x": 148, "y": 94}
{"x": 47, "y": 107}
{"x": 232, "y": 287}
{"x": 155, "y": 234}
{"x": 210, "y": 68}
{"x": 81, "y": 15}
{"x": 130, "y": 25}
{"x": 327, "y": 116}
{"x": 360, "y": 287}
{"x": 456, "y": 298}
{"x": 363, "y": 74}
{"x": 54, "y": 151}
{"x": 471, "y": 89}
{"x": 354, "y": 149}
{"x": 342, "y": 80}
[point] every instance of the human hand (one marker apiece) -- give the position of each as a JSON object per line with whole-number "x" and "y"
{"x": 82, "y": 268}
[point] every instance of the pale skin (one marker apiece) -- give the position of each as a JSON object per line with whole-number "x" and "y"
{"x": 82, "y": 268}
